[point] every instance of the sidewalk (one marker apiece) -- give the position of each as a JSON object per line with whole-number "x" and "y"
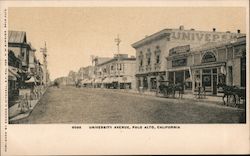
{"x": 16, "y": 113}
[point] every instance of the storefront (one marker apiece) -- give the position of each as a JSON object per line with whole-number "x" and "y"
{"x": 208, "y": 76}
{"x": 207, "y": 65}
{"x": 150, "y": 81}
{"x": 178, "y": 70}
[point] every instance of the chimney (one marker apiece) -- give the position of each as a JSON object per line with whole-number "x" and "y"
{"x": 238, "y": 31}
{"x": 181, "y": 27}
{"x": 214, "y": 29}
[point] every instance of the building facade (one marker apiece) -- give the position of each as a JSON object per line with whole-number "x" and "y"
{"x": 117, "y": 72}
{"x": 209, "y": 64}
{"x": 151, "y": 52}
{"x": 25, "y": 71}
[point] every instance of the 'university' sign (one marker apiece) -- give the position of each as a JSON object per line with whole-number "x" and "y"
{"x": 201, "y": 36}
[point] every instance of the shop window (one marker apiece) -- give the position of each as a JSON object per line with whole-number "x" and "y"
{"x": 171, "y": 77}
{"x": 215, "y": 71}
{"x": 206, "y": 80}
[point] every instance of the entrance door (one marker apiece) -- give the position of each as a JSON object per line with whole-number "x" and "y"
{"x": 214, "y": 84}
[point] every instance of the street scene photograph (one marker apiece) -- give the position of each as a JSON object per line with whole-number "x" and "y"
{"x": 127, "y": 65}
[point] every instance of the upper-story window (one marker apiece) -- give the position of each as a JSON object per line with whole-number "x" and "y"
{"x": 141, "y": 62}
{"x": 112, "y": 67}
{"x": 158, "y": 59}
{"x": 148, "y": 55}
{"x": 141, "y": 58}
{"x": 208, "y": 57}
{"x": 149, "y": 60}
{"x": 157, "y": 54}
{"x": 119, "y": 66}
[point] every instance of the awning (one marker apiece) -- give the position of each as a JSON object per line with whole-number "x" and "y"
{"x": 107, "y": 80}
{"x": 117, "y": 79}
{"x": 31, "y": 80}
{"x": 11, "y": 76}
{"x": 126, "y": 79}
{"x": 14, "y": 71}
{"x": 99, "y": 80}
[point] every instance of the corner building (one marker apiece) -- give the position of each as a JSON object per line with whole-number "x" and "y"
{"x": 152, "y": 51}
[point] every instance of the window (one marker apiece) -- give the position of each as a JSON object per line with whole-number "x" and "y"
{"x": 141, "y": 63}
{"x": 112, "y": 67}
{"x": 158, "y": 59}
{"x": 149, "y": 61}
{"x": 208, "y": 57}
{"x": 119, "y": 67}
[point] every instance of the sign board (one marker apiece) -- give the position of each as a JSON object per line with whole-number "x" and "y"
{"x": 179, "y": 62}
{"x": 179, "y": 49}
{"x": 202, "y": 36}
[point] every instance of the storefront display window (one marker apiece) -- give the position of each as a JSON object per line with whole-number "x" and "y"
{"x": 171, "y": 77}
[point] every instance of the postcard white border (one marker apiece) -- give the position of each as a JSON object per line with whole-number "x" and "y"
{"x": 61, "y": 139}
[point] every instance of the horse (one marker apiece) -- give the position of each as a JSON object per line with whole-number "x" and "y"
{"x": 241, "y": 94}
{"x": 166, "y": 89}
{"x": 171, "y": 89}
{"x": 180, "y": 88}
{"x": 228, "y": 91}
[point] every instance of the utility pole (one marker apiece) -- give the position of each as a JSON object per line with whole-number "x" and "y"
{"x": 118, "y": 41}
{"x": 45, "y": 71}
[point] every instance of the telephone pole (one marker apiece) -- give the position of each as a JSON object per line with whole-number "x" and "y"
{"x": 45, "y": 70}
{"x": 118, "y": 41}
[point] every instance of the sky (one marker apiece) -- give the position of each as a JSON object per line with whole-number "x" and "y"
{"x": 72, "y": 35}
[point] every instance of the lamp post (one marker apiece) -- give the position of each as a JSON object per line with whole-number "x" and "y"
{"x": 118, "y": 41}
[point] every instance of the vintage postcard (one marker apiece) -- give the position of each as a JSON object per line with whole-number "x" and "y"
{"x": 124, "y": 77}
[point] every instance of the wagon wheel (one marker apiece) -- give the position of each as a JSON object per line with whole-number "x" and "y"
{"x": 231, "y": 101}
